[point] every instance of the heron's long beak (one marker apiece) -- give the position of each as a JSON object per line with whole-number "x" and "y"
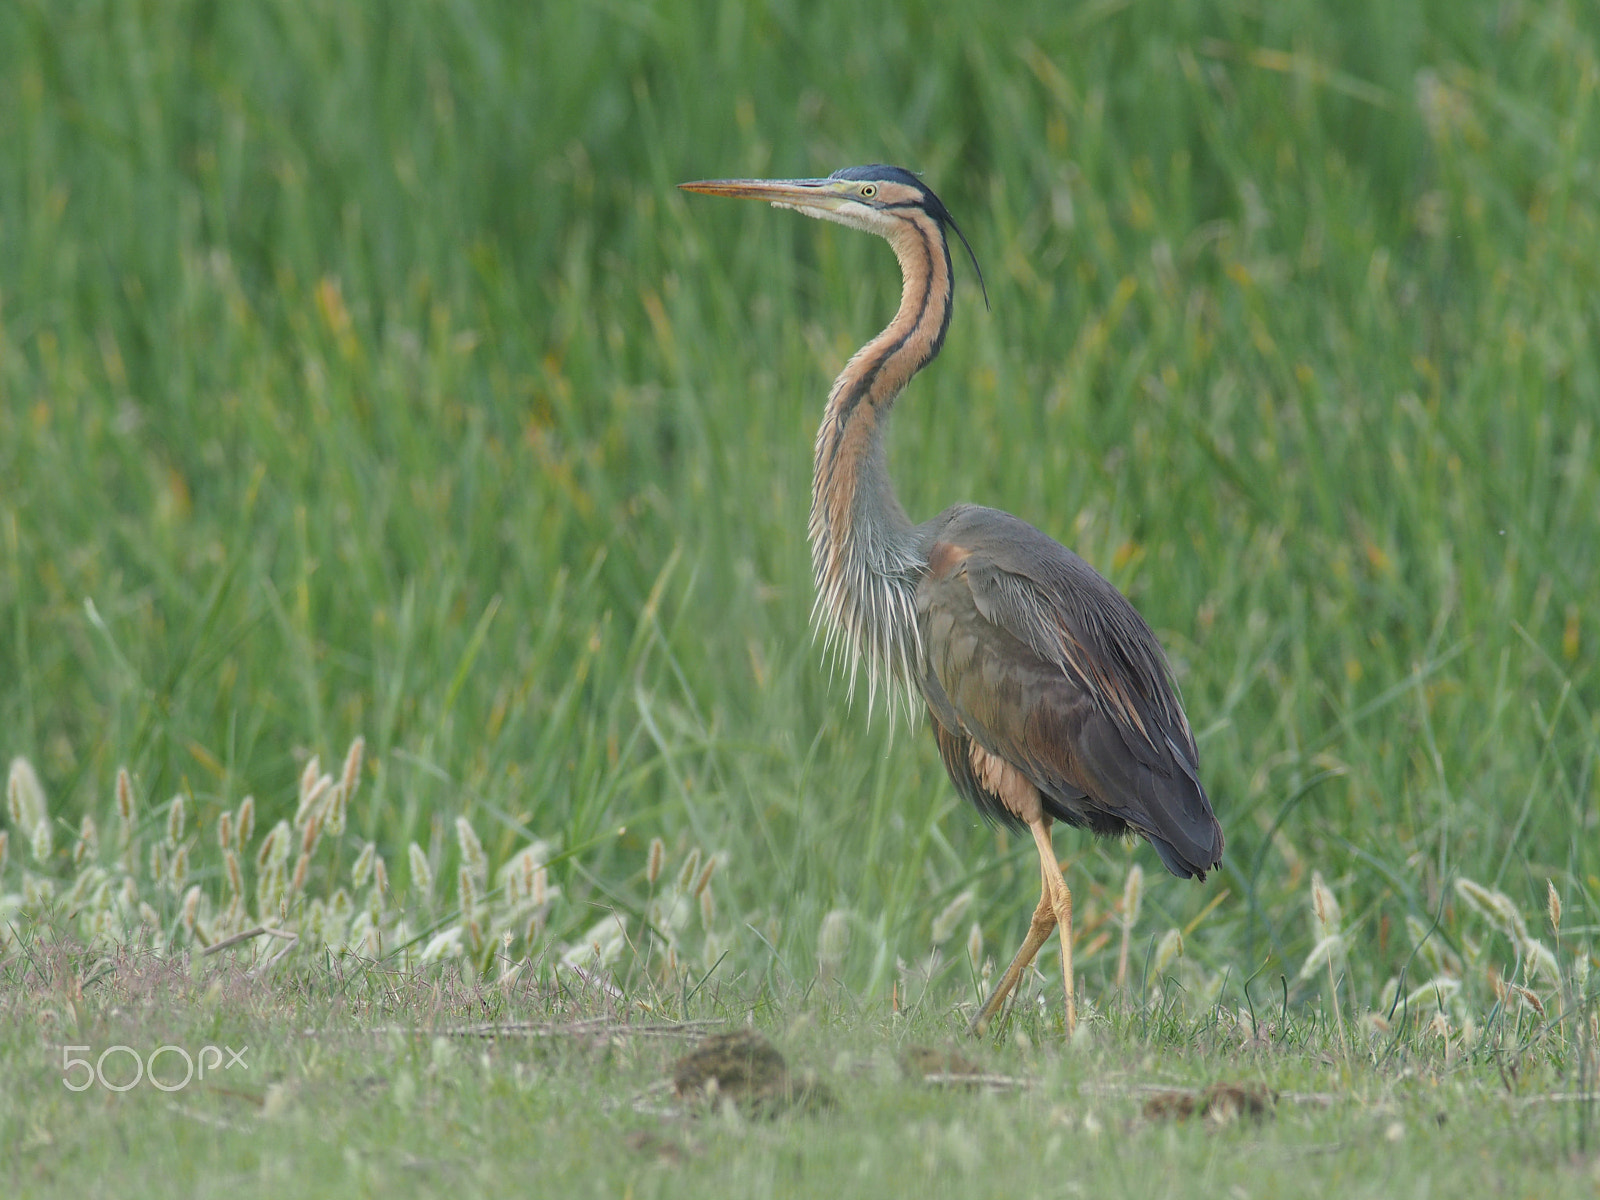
{"x": 802, "y": 194}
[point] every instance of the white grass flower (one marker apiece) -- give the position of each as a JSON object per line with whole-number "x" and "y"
{"x": 466, "y": 893}
{"x": 1327, "y": 951}
{"x": 380, "y": 875}
{"x": 311, "y": 834}
{"x": 1168, "y": 949}
{"x": 421, "y": 872}
{"x": 833, "y": 940}
{"x": 124, "y": 791}
{"x": 654, "y": 861}
{"x": 445, "y": 944}
{"x": 949, "y": 917}
{"x": 1538, "y": 960}
{"x": 150, "y": 917}
{"x": 25, "y": 795}
{"x": 175, "y": 817}
{"x": 1495, "y": 907}
{"x": 601, "y": 946}
{"x": 308, "y": 778}
{"x": 519, "y": 875}
{"x": 302, "y": 869}
{"x": 42, "y": 843}
{"x": 1435, "y": 993}
{"x": 88, "y": 840}
{"x": 37, "y": 891}
{"x": 473, "y": 858}
{"x": 245, "y": 824}
{"x": 335, "y": 810}
{"x": 225, "y": 830}
{"x": 1527, "y": 998}
{"x": 191, "y": 909}
{"x": 1132, "y": 895}
{"x": 350, "y": 777}
{"x": 337, "y": 914}
{"x": 1326, "y": 917}
{"x": 271, "y": 885}
{"x": 708, "y": 908}
{"x": 179, "y": 869}
{"x": 1552, "y": 906}
{"x": 363, "y": 865}
{"x": 975, "y": 945}
{"x": 704, "y": 881}
{"x": 158, "y": 864}
{"x": 230, "y": 862}
{"x": 690, "y": 868}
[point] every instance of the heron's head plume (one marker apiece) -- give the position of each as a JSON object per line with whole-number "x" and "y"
{"x": 875, "y": 199}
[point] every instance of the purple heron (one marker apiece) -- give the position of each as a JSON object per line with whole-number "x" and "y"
{"x": 1050, "y": 698}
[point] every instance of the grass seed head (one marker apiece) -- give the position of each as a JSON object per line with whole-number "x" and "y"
{"x": 42, "y": 842}
{"x": 380, "y": 874}
{"x": 1552, "y": 906}
{"x": 1169, "y": 948}
{"x": 1324, "y": 909}
{"x": 334, "y": 811}
{"x": 472, "y": 856}
{"x": 311, "y": 834}
{"x": 246, "y": 824}
{"x": 302, "y": 868}
{"x": 949, "y": 917}
{"x": 1495, "y": 907}
{"x": 25, "y": 795}
{"x": 708, "y": 908}
{"x": 363, "y": 865}
{"x": 175, "y": 816}
{"x": 124, "y": 796}
{"x": 975, "y": 945}
{"x": 421, "y": 872}
{"x": 5, "y": 838}
{"x": 833, "y": 940}
{"x": 1132, "y": 896}
{"x": 350, "y": 777}
{"x": 149, "y": 916}
{"x": 653, "y": 863}
{"x": 230, "y": 862}
{"x": 690, "y": 869}
{"x": 704, "y": 881}
{"x": 465, "y": 891}
{"x": 180, "y": 868}
{"x": 225, "y": 829}
{"x": 88, "y": 846}
{"x": 308, "y": 777}
{"x": 191, "y": 909}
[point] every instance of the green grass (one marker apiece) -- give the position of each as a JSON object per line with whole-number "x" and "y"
{"x": 358, "y": 1080}
{"x": 362, "y": 373}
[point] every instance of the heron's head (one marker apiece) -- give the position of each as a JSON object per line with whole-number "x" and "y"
{"x": 887, "y": 201}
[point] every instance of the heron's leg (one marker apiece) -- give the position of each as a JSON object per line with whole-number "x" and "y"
{"x": 1044, "y": 920}
{"x": 1061, "y": 905}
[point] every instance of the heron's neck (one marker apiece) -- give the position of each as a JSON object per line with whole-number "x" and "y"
{"x": 863, "y": 550}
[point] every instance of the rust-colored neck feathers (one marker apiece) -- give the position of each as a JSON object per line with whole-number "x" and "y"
{"x": 863, "y": 551}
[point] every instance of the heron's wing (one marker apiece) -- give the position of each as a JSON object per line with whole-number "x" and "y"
{"x": 1042, "y": 662}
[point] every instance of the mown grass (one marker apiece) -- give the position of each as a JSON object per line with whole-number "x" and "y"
{"x": 349, "y": 1078}
{"x": 361, "y": 372}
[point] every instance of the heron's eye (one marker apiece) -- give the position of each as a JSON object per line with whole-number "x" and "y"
{"x": 868, "y": 190}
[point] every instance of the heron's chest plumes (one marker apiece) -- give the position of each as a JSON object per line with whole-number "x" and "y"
{"x": 864, "y": 558}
